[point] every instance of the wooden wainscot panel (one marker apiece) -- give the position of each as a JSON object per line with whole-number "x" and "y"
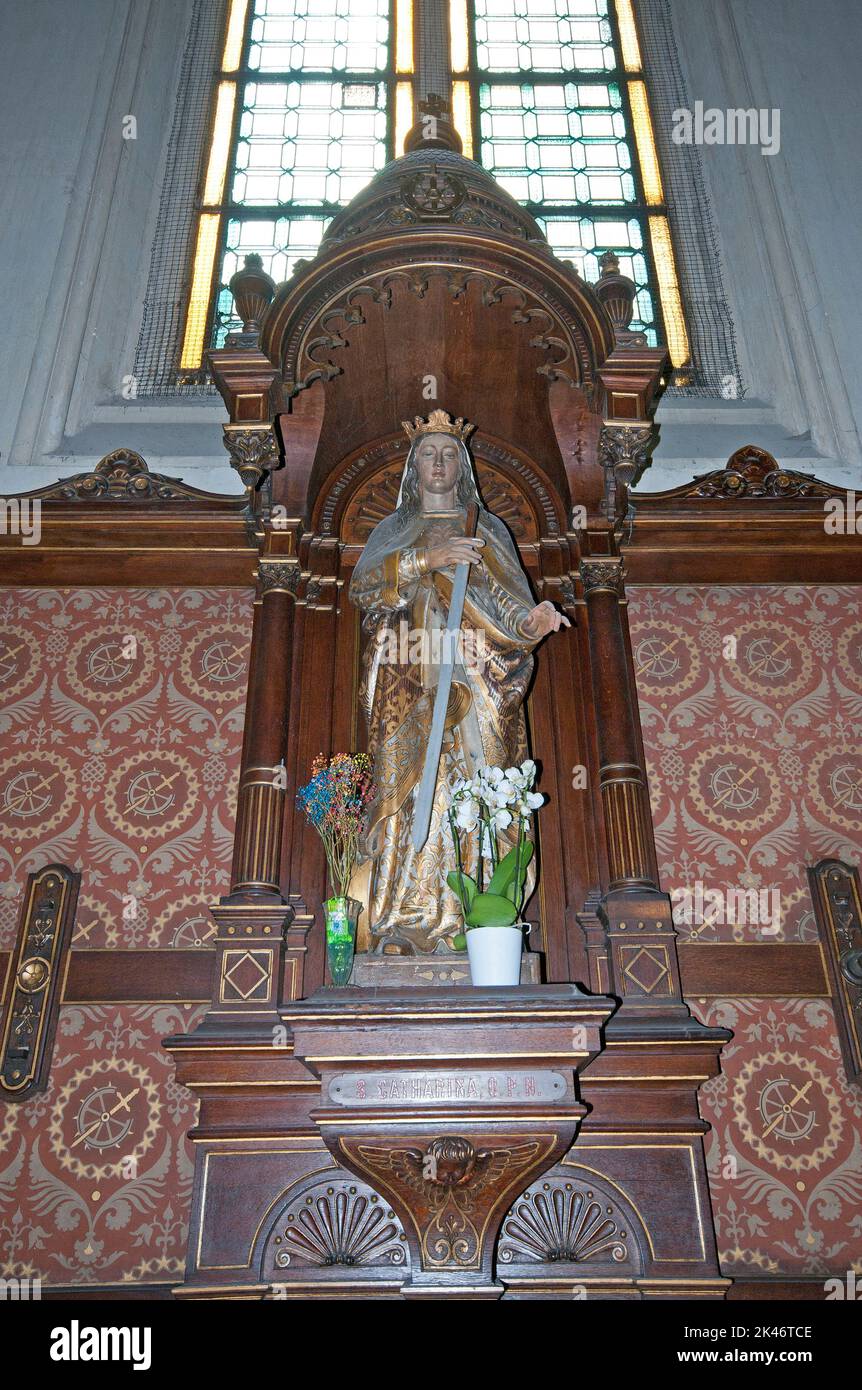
{"x": 122, "y": 524}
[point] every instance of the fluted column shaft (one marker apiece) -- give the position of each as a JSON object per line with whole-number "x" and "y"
{"x": 623, "y": 781}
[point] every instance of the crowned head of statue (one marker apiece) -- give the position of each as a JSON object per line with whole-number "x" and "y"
{"x": 438, "y": 474}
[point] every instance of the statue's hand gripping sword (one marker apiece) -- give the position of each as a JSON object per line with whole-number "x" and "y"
{"x": 427, "y": 787}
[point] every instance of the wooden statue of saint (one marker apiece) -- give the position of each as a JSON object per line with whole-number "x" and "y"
{"x": 403, "y": 583}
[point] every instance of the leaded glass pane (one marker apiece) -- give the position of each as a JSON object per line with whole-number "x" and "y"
{"x": 584, "y": 240}
{"x": 543, "y": 36}
{"x": 308, "y": 142}
{"x": 544, "y": 146}
{"x": 280, "y": 242}
{"x": 312, "y": 131}
{"x": 319, "y": 36}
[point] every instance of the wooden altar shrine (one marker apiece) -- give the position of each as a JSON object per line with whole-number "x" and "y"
{"x": 413, "y": 1137}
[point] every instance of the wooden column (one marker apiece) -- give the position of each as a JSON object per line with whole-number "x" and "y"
{"x": 642, "y": 957}
{"x": 622, "y": 777}
{"x": 260, "y": 803}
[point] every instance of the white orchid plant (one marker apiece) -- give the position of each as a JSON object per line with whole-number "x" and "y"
{"x": 486, "y": 805}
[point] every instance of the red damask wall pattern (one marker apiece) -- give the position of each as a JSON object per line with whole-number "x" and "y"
{"x": 751, "y": 705}
{"x": 121, "y": 716}
{"x": 120, "y": 732}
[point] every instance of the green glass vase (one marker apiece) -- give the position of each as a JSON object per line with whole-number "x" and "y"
{"x": 342, "y": 917}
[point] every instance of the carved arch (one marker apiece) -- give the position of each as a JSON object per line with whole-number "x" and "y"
{"x": 306, "y": 320}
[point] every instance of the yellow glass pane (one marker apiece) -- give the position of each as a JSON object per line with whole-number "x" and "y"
{"x": 234, "y": 31}
{"x": 459, "y": 48}
{"x": 403, "y": 35}
{"x": 220, "y": 145}
{"x": 403, "y": 114}
{"x": 461, "y": 115}
{"x": 650, "y": 172}
{"x": 199, "y": 299}
{"x": 628, "y": 36}
{"x": 668, "y": 288}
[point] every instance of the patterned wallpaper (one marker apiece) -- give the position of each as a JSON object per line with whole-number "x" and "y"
{"x": 120, "y": 731}
{"x": 751, "y": 705}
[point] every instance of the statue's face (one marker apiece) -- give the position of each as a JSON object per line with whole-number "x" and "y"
{"x": 438, "y": 460}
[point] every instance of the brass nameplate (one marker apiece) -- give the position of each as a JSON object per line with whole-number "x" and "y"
{"x": 445, "y": 1087}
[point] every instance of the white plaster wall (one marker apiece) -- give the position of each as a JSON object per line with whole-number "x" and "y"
{"x": 789, "y": 224}
{"x": 78, "y": 207}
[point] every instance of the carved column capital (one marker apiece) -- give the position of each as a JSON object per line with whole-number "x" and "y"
{"x": 624, "y": 453}
{"x": 279, "y": 576}
{"x": 603, "y": 574}
{"x": 253, "y": 451}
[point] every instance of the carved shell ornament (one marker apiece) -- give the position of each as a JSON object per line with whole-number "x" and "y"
{"x": 562, "y": 1223}
{"x": 339, "y": 1222}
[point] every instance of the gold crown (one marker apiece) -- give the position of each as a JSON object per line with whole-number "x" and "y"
{"x": 438, "y": 422}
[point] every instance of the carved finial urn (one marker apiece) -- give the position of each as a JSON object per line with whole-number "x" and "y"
{"x": 617, "y": 293}
{"x": 253, "y": 292}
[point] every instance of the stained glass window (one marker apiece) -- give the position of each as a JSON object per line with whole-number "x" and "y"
{"x": 303, "y": 117}
{"x": 549, "y": 95}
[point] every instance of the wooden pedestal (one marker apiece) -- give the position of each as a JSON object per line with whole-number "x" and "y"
{"x": 448, "y": 1104}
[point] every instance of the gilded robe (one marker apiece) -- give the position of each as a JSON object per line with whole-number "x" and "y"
{"x": 410, "y": 907}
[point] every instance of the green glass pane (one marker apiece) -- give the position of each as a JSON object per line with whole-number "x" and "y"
{"x": 319, "y": 35}
{"x": 308, "y": 142}
{"x": 280, "y": 242}
{"x": 543, "y": 36}
{"x": 584, "y": 240}
{"x": 546, "y": 148}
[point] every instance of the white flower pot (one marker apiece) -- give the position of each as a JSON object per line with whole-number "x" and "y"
{"x": 495, "y": 955}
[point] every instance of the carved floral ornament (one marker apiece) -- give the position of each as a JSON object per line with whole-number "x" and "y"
{"x": 753, "y": 474}
{"x": 253, "y": 451}
{"x": 279, "y": 576}
{"x": 120, "y": 476}
{"x": 625, "y": 449}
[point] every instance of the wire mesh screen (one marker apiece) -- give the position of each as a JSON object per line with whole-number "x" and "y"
{"x": 158, "y": 347}
{"x": 715, "y": 370}
{"x": 433, "y": 49}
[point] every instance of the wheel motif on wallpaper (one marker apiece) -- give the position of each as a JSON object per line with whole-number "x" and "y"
{"x": 787, "y": 1111}
{"x": 37, "y": 792}
{"x": 735, "y": 788}
{"x": 106, "y": 1113}
{"x": 152, "y": 794}
{"x": 666, "y": 658}
{"x": 19, "y": 661}
{"x": 771, "y": 661}
{"x": 189, "y": 923}
{"x": 214, "y": 663}
{"x": 848, "y": 662}
{"x": 835, "y": 782}
{"x": 110, "y": 664}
